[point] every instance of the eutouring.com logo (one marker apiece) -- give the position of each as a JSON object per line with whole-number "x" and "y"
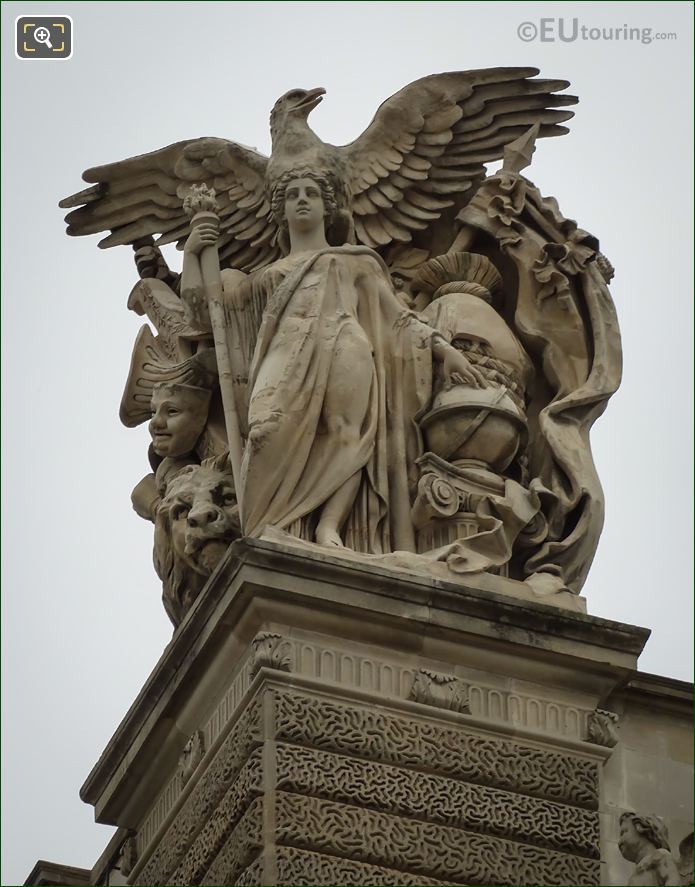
{"x": 571, "y": 30}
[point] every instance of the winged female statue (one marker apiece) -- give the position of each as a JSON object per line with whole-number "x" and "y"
{"x": 371, "y": 400}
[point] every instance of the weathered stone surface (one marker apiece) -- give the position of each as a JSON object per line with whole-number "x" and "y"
{"x": 203, "y": 799}
{"x": 650, "y": 770}
{"x": 413, "y": 623}
{"x": 296, "y": 867}
{"x": 241, "y": 846}
{"x": 217, "y": 831}
{"x": 406, "y": 779}
{"x": 603, "y": 728}
{"x": 486, "y": 760}
{"x": 422, "y": 847}
{"x": 401, "y": 435}
{"x": 397, "y": 790}
{"x": 45, "y": 873}
{"x": 412, "y": 802}
{"x": 388, "y": 676}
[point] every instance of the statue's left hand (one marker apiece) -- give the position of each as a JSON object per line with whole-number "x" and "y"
{"x": 458, "y": 370}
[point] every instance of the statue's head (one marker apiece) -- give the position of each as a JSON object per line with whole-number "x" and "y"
{"x": 640, "y": 832}
{"x": 295, "y": 104}
{"x": 196, "y": 520}
{"x": 304, "y": 198}
{"x": 179, "y": 414}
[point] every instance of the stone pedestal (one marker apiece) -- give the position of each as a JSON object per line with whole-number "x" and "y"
{"x": 319, "y": 721}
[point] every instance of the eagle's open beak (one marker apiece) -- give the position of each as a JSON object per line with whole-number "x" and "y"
{"x": 313, "y": 98}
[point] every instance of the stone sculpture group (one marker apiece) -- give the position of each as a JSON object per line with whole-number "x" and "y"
{"x": 380, "y": 349}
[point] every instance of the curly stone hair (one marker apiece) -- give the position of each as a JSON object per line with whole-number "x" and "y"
{"x": 652, "y": 828}
{"x": 277, "y": 200}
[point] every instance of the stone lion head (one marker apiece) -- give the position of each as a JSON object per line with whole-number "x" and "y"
{"x": 196, "y": 519}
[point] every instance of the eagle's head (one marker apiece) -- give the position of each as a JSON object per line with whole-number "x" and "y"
{"x": 294, "y": 105}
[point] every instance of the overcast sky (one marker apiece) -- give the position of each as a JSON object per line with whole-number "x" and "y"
{"x": 82, "y": 620}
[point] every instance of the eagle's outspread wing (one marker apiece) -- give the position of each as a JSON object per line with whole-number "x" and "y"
{"x": 432, "y": 140}
{"x": 144, "y": 196}
{"x": 426, "y": 144}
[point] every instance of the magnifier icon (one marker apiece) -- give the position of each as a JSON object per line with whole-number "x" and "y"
{"x": 43, "y": 35}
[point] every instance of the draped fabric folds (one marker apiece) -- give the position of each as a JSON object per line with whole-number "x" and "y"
{"x": 288, "y": 326}
{"x": 565, "y": 318}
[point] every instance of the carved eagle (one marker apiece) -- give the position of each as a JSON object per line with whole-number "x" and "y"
{"x": 425, "y": 145}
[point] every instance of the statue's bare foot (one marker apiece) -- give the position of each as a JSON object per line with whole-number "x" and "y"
{"x": 329, "y": 536}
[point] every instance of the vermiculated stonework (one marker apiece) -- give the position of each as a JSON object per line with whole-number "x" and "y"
{"x": 429, "y": 746}
{"x": 204, "y": 798}
{"x": 398, "y": 793}
{"x": 447, "y": 801}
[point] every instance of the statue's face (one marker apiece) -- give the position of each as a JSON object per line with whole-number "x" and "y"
{"x": 629, "y": 841}
{"x": 178, "y": 419}
{"x": 304, "y": 207}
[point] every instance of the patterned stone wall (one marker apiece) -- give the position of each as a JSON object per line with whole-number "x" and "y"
{"x": 381, "y": 677}
{"x": 312, "y": 790}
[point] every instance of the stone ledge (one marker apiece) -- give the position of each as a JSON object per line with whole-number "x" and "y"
{"x": 54, "y": 873}
{"x": 464, "y": 598}
{"x": 661, "y": 690}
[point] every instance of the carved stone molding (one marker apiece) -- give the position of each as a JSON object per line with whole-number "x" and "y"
{"x": 252, "y": 875}
{"x": 270, "y": 650}
{"x": 224, "y": 712}
{"x": 192, "y": 755}
{"x": 440, "y": 690}
{"x": 129, "y": 856}
{"x": 602, "y": 728}
{"x": 377, "y": 674}
{"x": 392, "y": 796}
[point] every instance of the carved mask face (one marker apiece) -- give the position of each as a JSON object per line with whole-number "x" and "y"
{"x": 304, "y": 207}
{"x": 179, "y": 414}
{"x": 629, "y": 841}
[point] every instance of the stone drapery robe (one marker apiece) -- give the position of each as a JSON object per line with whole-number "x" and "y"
{"x": 565, "y": 317}
{"x": 297, "y": 313}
